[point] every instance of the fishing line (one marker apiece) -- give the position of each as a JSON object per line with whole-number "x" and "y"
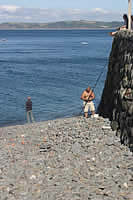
{"x": 99, "y": 77}
{"x": 97, "y": 80}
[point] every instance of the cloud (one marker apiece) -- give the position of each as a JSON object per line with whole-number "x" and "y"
{"x": 10, "y": 8}
{"x": 100, "y": 10}
{"x": 12, "y": 13}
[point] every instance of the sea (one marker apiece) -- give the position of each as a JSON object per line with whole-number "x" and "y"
{"x": 53, "y": 67}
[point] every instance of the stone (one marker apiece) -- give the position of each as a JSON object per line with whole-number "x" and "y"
{"x": 125, "y": 185}
{"x": 117, "y": 97}
{"x": 82, "y": 162}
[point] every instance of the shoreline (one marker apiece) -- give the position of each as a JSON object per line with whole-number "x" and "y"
{"x": 58, "y": 29}
{"x": 23, "y": 123}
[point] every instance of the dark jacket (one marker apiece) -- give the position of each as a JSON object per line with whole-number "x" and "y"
{"x": 126, "y": 23}
{"x": 28, "y": 105}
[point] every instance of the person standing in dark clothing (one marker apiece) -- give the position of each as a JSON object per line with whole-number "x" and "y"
{"x": 30, "y": 117}
{"x": 124, "y": 27}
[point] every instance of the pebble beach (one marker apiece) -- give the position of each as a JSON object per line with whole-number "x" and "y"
{"x": 64, "y": 159}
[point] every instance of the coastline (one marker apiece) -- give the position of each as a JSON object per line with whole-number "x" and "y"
{"x": 24, "y": 122}
{"x": 67, "y": 158}
{"x": 15, "y": 29}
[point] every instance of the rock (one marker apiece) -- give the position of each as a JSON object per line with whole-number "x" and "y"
{"x": 71, "y": 159}
{"x": 117, "y": 98}
{"x": 125, "y": 185}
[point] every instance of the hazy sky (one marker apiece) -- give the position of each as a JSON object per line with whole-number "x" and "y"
{"x": 57, "y": 10}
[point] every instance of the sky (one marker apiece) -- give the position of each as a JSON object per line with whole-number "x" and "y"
{"x": 44, "y": 11}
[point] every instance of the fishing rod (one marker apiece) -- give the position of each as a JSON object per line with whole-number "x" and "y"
{"x": 99, "y": 77}
{"x": 97, "y": 80}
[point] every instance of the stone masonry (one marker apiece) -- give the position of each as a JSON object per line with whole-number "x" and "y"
{"x": 117, "y": 98}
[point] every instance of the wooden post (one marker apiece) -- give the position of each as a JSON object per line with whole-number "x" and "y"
{"x": 129, "y": 14}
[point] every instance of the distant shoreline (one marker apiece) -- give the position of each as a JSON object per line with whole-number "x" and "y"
{"x": 56, "y": 29}
{"x": 61, "y": 25}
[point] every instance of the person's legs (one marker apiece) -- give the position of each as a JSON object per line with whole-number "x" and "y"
{"x": 86, "y": 114}
{"x": 86, "y": 109}
{"x": 32, "y": 118}
{"x": 93, "y": 112}
{"x": 28, "y": 117}
{"x": 112, "y": 33}
{"x": 122, "y": 28}
{"x": 92, "y": 108}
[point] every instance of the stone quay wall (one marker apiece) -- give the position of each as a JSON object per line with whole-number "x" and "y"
{"x": 117, "y": 98}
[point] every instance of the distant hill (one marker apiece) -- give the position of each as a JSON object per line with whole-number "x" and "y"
{"x": 82, "y": 24}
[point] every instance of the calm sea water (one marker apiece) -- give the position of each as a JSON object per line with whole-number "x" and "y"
{"x": 51, "y": 66}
